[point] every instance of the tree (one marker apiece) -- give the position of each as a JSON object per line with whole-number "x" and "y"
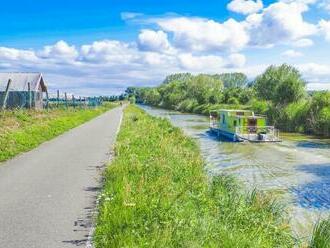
{"x": 233, "y": 80}
{"x": 181, "y": 77}
{"x": 205, "y": 89}
{"x": 280, "y": 84}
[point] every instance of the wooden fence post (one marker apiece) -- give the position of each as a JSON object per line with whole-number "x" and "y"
{"x": 58, "y": 98}
{"x": 47, "y": 100}
{"x": 29, "y": 92}
{"x": 4, "y": 102}
{"x": 65, "y": 99}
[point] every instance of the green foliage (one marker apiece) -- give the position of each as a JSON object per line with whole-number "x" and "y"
{"x": 187, "y": 105}
{"x": 156, "y": 194}
{"x": 243, "y": 95}
{"x": 259, "y": 106}
{"x": 318, "y": 118}
{"x": 205, "y": 89}
{"x": 132, "y": 99}
{"x": 278, "y": 93}
{"x": 233, "y": 80}
{"x": 321, "y": 235}
{"x": 180, "y": 77}
{"x": 23, "y": 130}
{"x": 280, "y": 84}
{"x": 179, "y": 89}
{"x": 293, "y": 116}
{"x": 233, "y": 100}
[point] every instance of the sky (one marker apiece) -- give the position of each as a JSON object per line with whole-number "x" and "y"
{"x": 101, "y": 47}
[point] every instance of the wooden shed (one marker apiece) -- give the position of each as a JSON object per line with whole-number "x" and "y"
{"x": 22, "y": 90}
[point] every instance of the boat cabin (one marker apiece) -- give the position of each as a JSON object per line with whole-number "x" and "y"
{"x": 241, "y": 124}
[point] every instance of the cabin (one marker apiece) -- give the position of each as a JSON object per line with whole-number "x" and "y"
{"x": 22, "y": 90}
{"x": 239, "y": 125}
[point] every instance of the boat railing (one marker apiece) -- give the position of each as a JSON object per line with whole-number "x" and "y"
{"x": 252, "y": 132}
{"x": 214, "y": 123}
{"x": 257, "y": 115}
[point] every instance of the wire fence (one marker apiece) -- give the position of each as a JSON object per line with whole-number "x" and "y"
{"x": 13, "y": 99}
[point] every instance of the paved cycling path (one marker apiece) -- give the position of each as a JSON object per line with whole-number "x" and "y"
{"x": 47, "y": 195}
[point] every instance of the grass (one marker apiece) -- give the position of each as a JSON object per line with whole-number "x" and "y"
{"x": 156, "y": 194}
{"x": 321, "y": 235}
{"x": 22, "y": 130}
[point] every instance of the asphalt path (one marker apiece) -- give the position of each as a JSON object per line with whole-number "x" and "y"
{"x": 47, "y": 195}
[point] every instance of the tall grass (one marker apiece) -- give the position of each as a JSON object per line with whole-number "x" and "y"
{"x": 321, "y": 235}
{"x": 156, "y": 194}
{"x": 22, "y": 130}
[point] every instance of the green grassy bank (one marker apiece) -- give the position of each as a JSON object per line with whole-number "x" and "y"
{"x": 23, "y": 130}
{"x": 157, "y": 194}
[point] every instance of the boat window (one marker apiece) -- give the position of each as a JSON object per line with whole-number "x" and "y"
{"x": 235, "y": 123}
{"x": 239, "y": 113}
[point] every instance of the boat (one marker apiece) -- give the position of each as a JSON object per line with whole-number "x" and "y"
{"x": 242, "y": 125}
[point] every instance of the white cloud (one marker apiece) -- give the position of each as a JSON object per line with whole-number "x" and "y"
{"x": 316, "y": 74}
{"x": 104, "y": 65}
{"x": 245, "y": 6}
{"x": 315, "y": 69}
{"x": 17, "y": 55}
{"x": 303, "y": 43}
{"x": 108, "y": 51}
{"x": 60, "y": 50}
{"x": 200, "y": 63}
{"x": 197, "y": 34}
{"x": 292, "y": 54}
{"x": 325, "y": 29}
{"x": 130, "y": 15}
{"x": 236, "y": 60}
{"x": 318, "y": 86}
{"x": 325, "y": 4}
{"x": 150, "y": 40}
{"x": 300, "y": 1}
{"x": 279, "y": 23}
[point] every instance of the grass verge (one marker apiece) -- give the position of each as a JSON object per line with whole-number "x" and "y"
{"x": 23, "y": 130}
{"x": 156, "y": 194}
{"x": 321, "y": 235}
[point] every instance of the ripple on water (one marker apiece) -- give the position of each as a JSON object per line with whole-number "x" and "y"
{"x": 315, "y": 194}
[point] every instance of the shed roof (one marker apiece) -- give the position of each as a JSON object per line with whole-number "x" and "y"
{"x": 20, "y": 80}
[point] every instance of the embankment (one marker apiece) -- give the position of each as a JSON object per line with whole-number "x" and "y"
{"x": 157, "y": 194}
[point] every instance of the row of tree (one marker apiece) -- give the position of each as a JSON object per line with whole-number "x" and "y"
{"x": 280, "y": 93}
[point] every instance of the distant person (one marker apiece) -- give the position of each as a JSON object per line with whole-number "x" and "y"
{"x": 121, "y": 103}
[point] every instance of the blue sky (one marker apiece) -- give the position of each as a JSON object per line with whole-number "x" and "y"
{"x": 101, "y": 47}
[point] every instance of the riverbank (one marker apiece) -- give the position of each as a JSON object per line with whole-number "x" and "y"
{"x": 156, "y": 193}
{"x": 22, "y": 130}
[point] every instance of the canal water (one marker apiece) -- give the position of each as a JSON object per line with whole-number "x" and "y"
{"x": 297, "y": 170}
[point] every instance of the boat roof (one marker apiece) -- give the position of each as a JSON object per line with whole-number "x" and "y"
{"x": 234, "y": 110}
{"x": 240, "y": 116}
{"x": 231, "y": 110}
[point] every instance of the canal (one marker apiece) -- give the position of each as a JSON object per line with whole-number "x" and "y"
{"x": 296, "y": 171}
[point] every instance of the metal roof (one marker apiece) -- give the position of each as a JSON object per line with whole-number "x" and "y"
{"x": 20, "y": 80}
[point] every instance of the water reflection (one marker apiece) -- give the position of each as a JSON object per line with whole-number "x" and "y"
{"x": 310, "y": 144}
{"x": 315, "y": 194}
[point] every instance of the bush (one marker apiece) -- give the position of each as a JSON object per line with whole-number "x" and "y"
{"x": 233, "y": 101}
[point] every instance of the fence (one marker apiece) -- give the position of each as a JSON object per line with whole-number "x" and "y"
{"x": 13, "y": 99}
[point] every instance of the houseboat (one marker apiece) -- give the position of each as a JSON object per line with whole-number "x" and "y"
{"x": 242, "y": 125}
